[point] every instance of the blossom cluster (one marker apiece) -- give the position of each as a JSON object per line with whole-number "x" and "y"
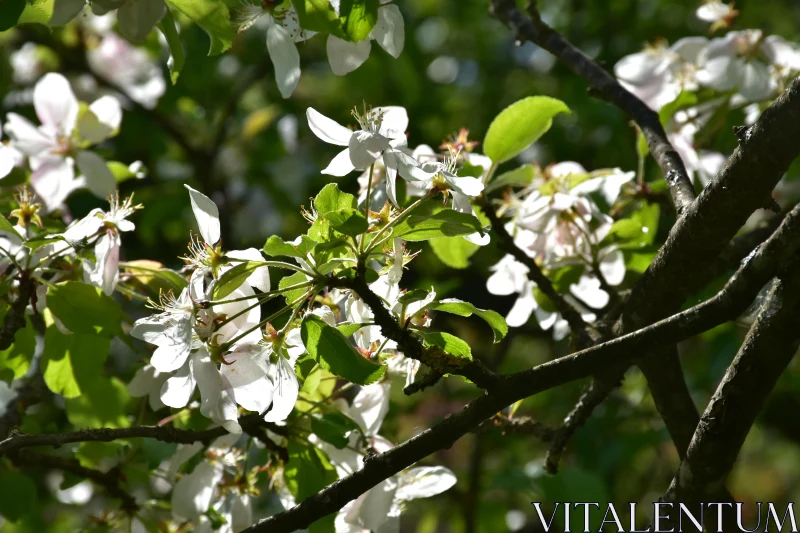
{"x": 699, "y": 76}
{"x": 558, "y": 221}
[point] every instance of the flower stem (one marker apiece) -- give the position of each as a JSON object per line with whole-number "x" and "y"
{"x": 376, "y": 241}
{"x": 366, "y": 203}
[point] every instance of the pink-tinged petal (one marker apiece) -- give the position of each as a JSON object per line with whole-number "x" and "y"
{"x": 341, "y": 165}
{"x": 177, "y": 390}
{"x": 27, "y": 138}
{"x": 285, "y": 59}
{"x": 206, "y": 214}
{"x": 55, "y": 103}
{"x": 106, "y": 272}
{"x": 108, "y": 111}
{"x": 99, "y": 179}
{"x": 54, "y": 180}
{"x": 345, "y": 56}
{"x": 327, "y": 129}
{"x": 389, "y": 30}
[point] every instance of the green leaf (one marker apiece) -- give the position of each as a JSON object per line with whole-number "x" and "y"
{"x": 213, "y": 17}
{"x": 83, "y": 308}
{"x": 543, "y": 300}
{"x": 347, "y": 329}
{"x": 461, "y": 308}
{"x": 37, "y": 12}
{"x": 277, "y": 247}
{"x": 120, "y": 171}
{"x": 330, "y": 198}
{"x": 10, "y": 11}
{"x": 519, "y": 125}
{"x": 334, "y": 352}
{"x": 101, "y": 404}
{"x": 318, "y": 15}
{"x": 565, "y": 276}
{"x": 348, "y": 221}
{"x": 358, "y": 17}
{"x": 71, "y": 363}
{"x": 449, "y": 344}
{"x": 5, "y": 225}
{"x": 453, "y": 251}
{"x": 636, "y": 232}
{"x": 16, "y": 359}
{"x": 288, "y": 281}
{"x": 414, "y": 295}
{"x": 308, "y": 470}
{"x": 519, "y": 177}
{"x": 683, "y": 100}
{"x": 333, "y": 428}
{"x": 167, "y": 25}
{"x": 232, "y": 279}
{"x": 17, "y": 495}
{"x": 354, "y": 23}
{"x": 38, "y": 242}
{"x": 430, "y": 220}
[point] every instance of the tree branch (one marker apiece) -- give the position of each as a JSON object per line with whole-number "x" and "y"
{"x": 410, "y": 345}
{"x": 766, "y": 352}
{"x": 731, "y": 301}
{"x": 162, "y": 433}
{"x": 535, "y": 30}
{"x": 111, "y": 480}
{"x": 15, "y": 317}
{"x": 506, "y": 243}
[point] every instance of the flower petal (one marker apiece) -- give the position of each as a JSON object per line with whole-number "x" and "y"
{"x": 345, "y": 56}
{"x": 55, "y": 103}
{"x": 341, "y": 165}
{"x": 259, "y": 279}
{"x": 7, "y": 160}
{"x": 192, "y": 493}
{"x": 285, "y": 58}
{"x": 178, "y": 390}
{"x": 521, "y": 310}
{"x": 206, "y": 214}
{"x": 27, "y": 138}
{"x": 252, "y": 388}
{"x": 108, "y": 111}
{"x": 327, "y": 129}
{"x": 285, "y": 392}
{"x": 54, "y": 180}
{"x": 389, "y": 30}
{"x": 424, "y": 482}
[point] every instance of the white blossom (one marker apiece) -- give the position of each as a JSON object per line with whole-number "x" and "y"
{"x": 54, "y": 148}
